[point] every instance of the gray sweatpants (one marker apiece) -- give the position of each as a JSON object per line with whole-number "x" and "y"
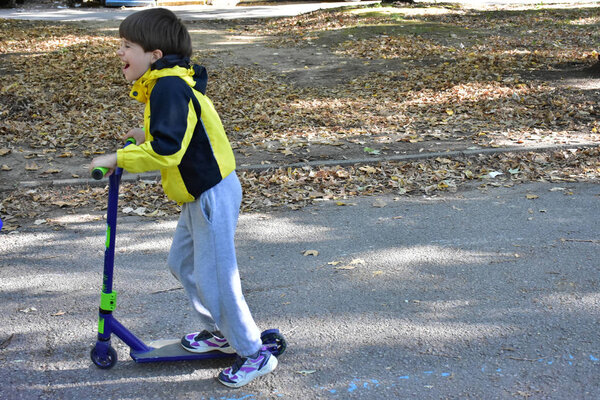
{"x": 202, "y": 258}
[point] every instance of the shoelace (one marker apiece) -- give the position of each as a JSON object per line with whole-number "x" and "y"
{"x": 239, "y": 361}
{"x": 203, "y": 336}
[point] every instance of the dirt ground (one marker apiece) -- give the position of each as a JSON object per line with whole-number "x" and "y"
{"x": 219, "y": 44}
{"x": 315, "y": 64}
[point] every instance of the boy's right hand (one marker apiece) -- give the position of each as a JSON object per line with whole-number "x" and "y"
{"x": 136, "y": 133}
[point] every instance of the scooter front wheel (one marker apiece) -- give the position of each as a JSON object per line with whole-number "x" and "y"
{"x": 104, "y": 363}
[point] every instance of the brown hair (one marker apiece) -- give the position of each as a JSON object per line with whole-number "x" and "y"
{"x": 157, "y": 29}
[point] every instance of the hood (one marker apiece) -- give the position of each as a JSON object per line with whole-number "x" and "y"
{"x": 170, "y": 65}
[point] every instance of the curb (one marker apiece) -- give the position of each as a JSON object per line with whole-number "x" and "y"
{"x": 325, "y": 163}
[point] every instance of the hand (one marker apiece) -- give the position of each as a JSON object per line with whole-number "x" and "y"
{"x": 136, "y": 133}
{"x": 107, "y": 161}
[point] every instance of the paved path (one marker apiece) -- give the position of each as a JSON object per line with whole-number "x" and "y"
{"x": 200, "y": 12}
{"x": 196, "y": 12}
{"x": 481, "y": 294}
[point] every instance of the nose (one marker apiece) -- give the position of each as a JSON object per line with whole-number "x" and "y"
{"x": 120, "y": 51}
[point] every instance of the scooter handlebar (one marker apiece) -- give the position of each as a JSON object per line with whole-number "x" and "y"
{"x": 99, "y": 172}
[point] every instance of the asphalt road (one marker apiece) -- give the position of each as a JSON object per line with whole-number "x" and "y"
{"x": 478, "y": 294}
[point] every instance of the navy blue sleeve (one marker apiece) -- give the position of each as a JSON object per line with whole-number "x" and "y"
{"x": 169, "y": 107}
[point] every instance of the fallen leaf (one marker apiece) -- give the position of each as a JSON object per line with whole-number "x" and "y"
{"x": 305, "y": 372}
{"x": 140, "y": 211}
{"x": 62, "y": 204}
{"x": 310, "y": 253}
{"x": 379, "y": 203}
{"x": 532, "y": 196}
{"x": 352, "y": 264}
{"x": 368, "y": 169}
{"x": 58, "y": 314}
{"x": 6, "y": 341}
{"x": 346, "y": 267}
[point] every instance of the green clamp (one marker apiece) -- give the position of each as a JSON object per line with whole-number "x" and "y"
{"x": 108, "y": 301}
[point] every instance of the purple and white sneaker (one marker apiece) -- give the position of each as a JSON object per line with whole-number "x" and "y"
{"x": 246, "y": 369}
{"x": 203, "y": 342}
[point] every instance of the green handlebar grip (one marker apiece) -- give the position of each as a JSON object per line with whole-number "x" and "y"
{"x": 99, "y": 172}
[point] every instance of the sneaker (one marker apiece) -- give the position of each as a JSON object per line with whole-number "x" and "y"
{"x": 202, "y": 342}
{"x": 246, "y": 369}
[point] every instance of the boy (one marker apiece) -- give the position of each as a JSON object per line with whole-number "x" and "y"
{"x": 184, "y": 138}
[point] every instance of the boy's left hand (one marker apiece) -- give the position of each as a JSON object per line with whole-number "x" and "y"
{"x": 107, "y": 161}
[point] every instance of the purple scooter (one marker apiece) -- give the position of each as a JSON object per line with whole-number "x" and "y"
{"x": 103, "y": 354}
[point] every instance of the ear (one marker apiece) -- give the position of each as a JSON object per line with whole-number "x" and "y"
{"x": 156, "y": 55}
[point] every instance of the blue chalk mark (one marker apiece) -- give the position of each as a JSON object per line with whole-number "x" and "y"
{"x": 356, "y": 384}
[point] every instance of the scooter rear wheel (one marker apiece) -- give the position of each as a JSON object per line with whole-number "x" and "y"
{"x": 274, "y": 341}
{"x": 104, "y": 363}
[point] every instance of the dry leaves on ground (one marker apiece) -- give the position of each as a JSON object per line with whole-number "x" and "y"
{"x": 297, "y": 187}
{"x": 460, "y": 77}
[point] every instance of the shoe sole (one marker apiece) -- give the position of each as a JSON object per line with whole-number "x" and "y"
{"x": 230, "y": 350}
{"x": 270, "y": 367}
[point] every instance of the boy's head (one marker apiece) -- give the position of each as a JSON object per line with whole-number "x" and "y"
{"x": 157, "y": 29}
{"x": 149, "y": 35}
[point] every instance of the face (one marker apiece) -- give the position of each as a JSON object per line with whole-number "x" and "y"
{"x": 136, "y": 60}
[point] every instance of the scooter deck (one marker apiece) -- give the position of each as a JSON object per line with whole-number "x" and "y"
{"x": 171, "y": 350}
